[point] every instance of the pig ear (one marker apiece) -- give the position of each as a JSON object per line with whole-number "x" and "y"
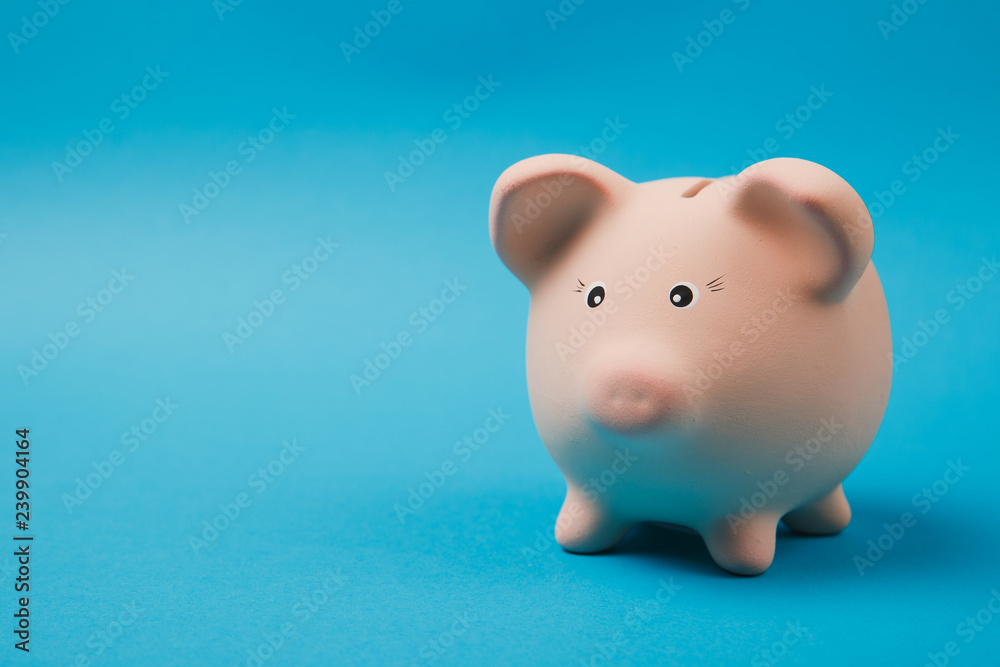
{"x": 540, "y": 204}
{"x": 818, "y": 218}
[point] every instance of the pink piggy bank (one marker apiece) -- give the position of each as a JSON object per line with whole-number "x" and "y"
{"x": 709, "y": 354}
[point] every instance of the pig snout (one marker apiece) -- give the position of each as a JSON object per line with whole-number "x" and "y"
{"x": 629, "y": 400}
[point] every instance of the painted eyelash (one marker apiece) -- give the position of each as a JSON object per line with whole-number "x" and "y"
{"x": 714, "y": 286}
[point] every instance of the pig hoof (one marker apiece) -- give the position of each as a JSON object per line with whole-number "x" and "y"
{"x": 746, "y": 549}
{"x": 583, "y": 527}
{"x": 827, "y": 516}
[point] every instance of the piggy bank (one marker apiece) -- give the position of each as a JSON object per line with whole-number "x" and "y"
{"x": 712, "y": 354}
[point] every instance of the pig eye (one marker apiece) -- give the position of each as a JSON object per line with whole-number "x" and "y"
{"x": 595, "y": 294}
{"x": 683, "y": 295}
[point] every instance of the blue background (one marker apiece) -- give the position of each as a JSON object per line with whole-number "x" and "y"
{"x": 477, "y": 548}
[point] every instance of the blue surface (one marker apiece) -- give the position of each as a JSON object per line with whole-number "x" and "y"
{"x": 319, "y": 551}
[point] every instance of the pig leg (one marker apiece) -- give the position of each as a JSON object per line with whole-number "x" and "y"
{"x": 747, "y": 548}
{"x": 584, "y": 526}
{"x": 826, "y": 516}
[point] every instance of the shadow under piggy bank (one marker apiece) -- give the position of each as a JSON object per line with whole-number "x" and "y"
{"x": 885, "y": 540}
